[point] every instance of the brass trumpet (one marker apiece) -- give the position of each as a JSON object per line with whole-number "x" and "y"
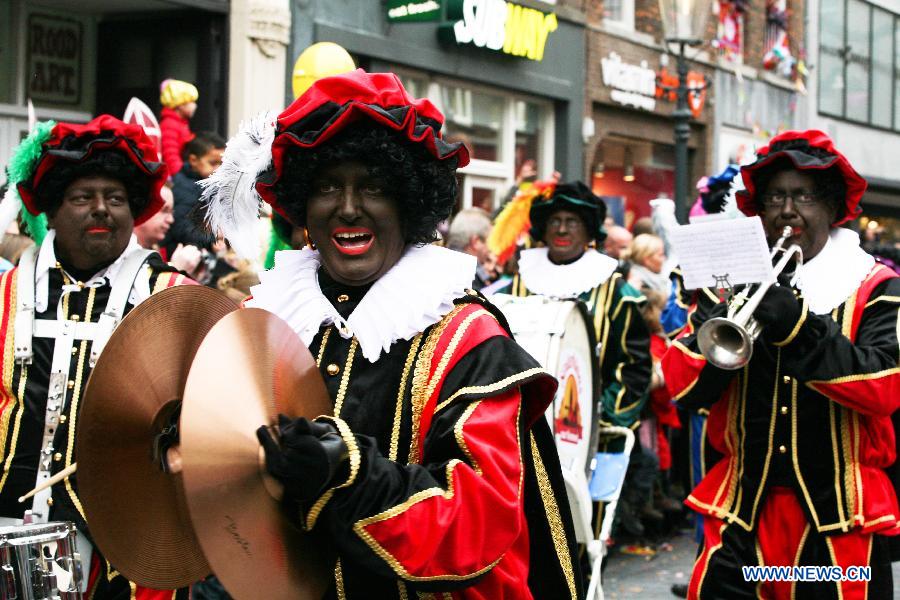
{"x": 727, "y": 342}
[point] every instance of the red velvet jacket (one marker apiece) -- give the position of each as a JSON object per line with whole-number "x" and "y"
{"x": 458, "y": 488}
{"x": 813, "y": 414}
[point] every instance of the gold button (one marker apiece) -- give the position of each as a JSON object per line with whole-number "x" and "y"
{"x": 75, "y": 317}
{"x": 333, "y": 369}
{"x": 343, "y": 298}
{"x": 63, "y": 418}
{"x": 71, "y": 384}
{"x": 786, "y": 379}
{"x": 782, "y": 449}
{"x": 49, "y": 501}
{"x": 471, "y": 292}
{"x": 57, "y": 457}
{"x": 74, "y": 351}
{"x": 784, "y": 410}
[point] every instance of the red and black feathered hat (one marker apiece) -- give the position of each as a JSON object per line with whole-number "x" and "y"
{"x": 77, "y": 143}
{"x": 795, "y": 146}
{"x": 332, "y": 104}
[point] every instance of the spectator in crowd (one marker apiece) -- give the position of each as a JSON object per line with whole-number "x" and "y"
{"x": 153, "y": 231}
{"x": 468, "y": 233}
{"x": 617, "y": 241}
{"x": 179, "y": 102}
{"x": 646, "y": 257}
{"x": 643, "y": 225}
{"x": 203, "y": 155}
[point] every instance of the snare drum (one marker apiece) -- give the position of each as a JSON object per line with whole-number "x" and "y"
{"x": 558, "y": 335}
{"x": 40, "y": 562}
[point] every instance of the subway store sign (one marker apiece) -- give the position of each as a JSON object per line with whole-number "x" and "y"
{"x": 500, "y": 26}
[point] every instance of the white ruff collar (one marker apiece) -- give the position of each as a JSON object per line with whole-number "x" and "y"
{"x": 46, "y": 260}
{"x": 564, "y": 281}
{"x": 835, "y": 273}
{"x": 415, "y": 293}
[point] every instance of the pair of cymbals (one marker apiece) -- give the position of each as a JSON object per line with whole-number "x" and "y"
{"x": 229, "y": 372}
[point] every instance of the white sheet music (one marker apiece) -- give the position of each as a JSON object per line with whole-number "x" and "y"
{"x": 723, "y": 253}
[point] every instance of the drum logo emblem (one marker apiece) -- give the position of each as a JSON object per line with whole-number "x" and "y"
{"x": 568, "y": 422}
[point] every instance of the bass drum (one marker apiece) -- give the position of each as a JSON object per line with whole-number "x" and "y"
{"x": 557, "y": 333}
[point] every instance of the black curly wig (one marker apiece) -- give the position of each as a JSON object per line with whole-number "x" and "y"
{"x": 830, "y": 185}
{"x": 111, "y": 164}
{"x": 425, "y": 188}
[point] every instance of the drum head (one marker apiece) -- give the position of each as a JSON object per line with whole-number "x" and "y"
{"x": 557, "y": 333}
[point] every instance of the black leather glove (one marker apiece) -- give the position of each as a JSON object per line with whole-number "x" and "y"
{"x": 778, "y": 312}
{"x": 308, "y": 458}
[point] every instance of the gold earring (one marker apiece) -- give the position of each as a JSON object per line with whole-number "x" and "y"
{"x": 308, "y": 239}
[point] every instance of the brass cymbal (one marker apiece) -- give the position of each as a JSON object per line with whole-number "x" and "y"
{"x": 137, "y": 513}
{"x": 250, "y": 367}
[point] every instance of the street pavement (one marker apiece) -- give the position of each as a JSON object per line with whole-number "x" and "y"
{"x": 629, "y": 577}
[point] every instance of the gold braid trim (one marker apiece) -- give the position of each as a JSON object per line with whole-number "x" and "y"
{"x": 355, "y": 460}
{"x": 339, "y": 581}
{"x": 345, "y": 379}
{"x": 321, "y": 353}
{"x": 554, "y": 520}
{"x": 73, "y": 410}
{"x": 9, "y": 366}
{"x": 398, "y": 412}
{"x": 20, "y": 410}
{"x": 420, "y": 379}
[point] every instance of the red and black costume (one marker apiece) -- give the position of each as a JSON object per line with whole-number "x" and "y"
{"x": 56, "y": 297}
{"x": 805, "y": 428}
{"x": 452, "y": 485}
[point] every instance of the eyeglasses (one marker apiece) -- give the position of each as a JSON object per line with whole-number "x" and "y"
{"x": 779, "y": 199}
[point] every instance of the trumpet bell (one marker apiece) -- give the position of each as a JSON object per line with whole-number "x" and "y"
{"x": 725, "y": 343}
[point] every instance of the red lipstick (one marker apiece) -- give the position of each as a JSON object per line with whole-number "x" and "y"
{"x": 352, "y": 241}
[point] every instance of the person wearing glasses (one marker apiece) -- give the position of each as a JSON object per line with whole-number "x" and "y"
{"x": 806, "y": 427}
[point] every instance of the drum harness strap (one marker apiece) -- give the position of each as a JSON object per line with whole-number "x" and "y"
{"x": 65, "y": 332}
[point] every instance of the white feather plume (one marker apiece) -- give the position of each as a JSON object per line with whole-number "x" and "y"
{"x": 229, "y": 194}
{"x": 9, "y": 208}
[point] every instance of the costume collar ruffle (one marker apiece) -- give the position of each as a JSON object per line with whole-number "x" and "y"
{"x": 543, "y": 277}
{"x": 835, "y": 273}
{"x": 414, "y": 294}
{"x": 46, "y": 260}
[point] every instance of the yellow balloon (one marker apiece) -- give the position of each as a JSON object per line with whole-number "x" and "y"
{"x": 323, "y": 59}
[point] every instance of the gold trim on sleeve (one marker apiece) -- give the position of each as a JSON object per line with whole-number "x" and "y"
{"x": 790, "y": 338}
{"x": 355, "y": 460}
{"x": 461, "y": 441}
{"x": 360, "y": 529}
{"x": 491, "y": 388}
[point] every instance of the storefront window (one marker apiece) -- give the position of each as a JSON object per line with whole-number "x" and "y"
{"x": 629, "y": 173}
{"x": 858, "y": 63}
{"x": 882, "y": 77}
{"x": 475, "y": 117}
{"x": 7, "y": 63}
{"x": 416, "y": 86}
{"x": 527, "y": 116}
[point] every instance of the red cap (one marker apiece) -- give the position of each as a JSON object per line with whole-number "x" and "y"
{"x": 803, "y": 161}
{"x": 76, "y": 143}
{"x": 332, "y": 104}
